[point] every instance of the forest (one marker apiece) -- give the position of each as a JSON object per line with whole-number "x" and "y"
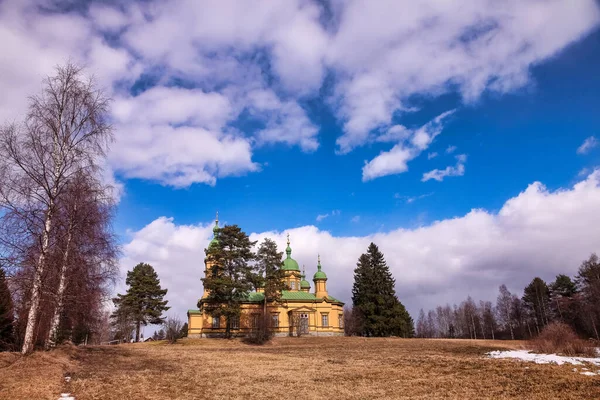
{"x": 574, "y": 301}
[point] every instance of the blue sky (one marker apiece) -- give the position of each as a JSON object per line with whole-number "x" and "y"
{"x": 453, "y": 138}
{"x": 530, "y": 134}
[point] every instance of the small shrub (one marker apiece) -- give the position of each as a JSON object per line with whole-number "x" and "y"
{"x": 559, "y": 338}
{"x": 172, "y": 328}
{"x": 261, "y": 333}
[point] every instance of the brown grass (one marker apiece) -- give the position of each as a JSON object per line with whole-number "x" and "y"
{"x": 296, "y": 368}
{"x": 559, "y": 338}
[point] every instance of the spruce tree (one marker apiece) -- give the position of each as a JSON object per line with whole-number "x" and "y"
{"x": 269, "y": 277}
{"x": 144, "y": 298}
{"x": 536, "y": 298}
{"x": 374, "y": 298}
{"x": 6, "y": 315}
{"x": 231, "y": 277}
{"x": 184, "y": 330}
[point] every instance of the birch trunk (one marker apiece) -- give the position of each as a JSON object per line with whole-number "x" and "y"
{"x": 54, "y": 322}
{"x": 36, "y": 289}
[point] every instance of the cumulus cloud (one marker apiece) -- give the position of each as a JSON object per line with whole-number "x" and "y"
{"x": 431, "y": 47}
{"x": 233, "y": 60}
{"x": 536, "y": 233}
{"x": 440, "y": 174}
{"x": 587, "y": 145}
{"x": 412, "y": 143}
{"x": 432, "y": 155}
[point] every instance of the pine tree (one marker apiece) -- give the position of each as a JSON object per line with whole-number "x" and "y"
{"x": 184, "y": 330}
{"x": 588, "y": 282}
{"x": 6, "y": 315}
{"x": 269, "y": 276}
{"x": 231, "y": 277}
{"x": 374, "y": 298}
{"x": 144, "y": 298}
{"x": 536, "y": 299}
{"x": 563, "y": 298}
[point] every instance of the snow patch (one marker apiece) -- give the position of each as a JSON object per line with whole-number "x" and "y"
{"x": 527, "y": 355}
{"x": 588, "y": 373}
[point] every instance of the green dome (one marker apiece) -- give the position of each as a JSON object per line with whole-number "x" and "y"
{"x": 289, "y": 264}
{"x": 319, "y": 275}
{"x": 214, "y": 240}
{"x": 304, "y": 284}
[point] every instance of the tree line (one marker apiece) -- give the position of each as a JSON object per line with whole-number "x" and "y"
{"x": 58, "y": 253}
{"x": 574, "y": 301}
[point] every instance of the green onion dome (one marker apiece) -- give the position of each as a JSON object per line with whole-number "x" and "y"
{"x": 289, "y": 264}
{"x": 214, "y": 240}
{"x": 304, "y": 284}
{"x": 319, "y": 275}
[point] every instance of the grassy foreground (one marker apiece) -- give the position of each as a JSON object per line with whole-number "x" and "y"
{"x": 294, "y": 368}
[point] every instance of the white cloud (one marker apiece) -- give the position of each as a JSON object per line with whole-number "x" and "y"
{"x": 587, "y": 145}
{"x": 321, "y": 217}
{"x": 536, "y": 233}
{"x": 440, "y": 174}
{"x": 431, "y": 47}
{"x": 411, "y": 199}
{"x": 396, "y": 160}
{"x": 355, "y": 219}
{"x": 450, "y": 149}
{"x": 432, "y": 155}
{"x": 333, "y": 213}
{"x": 378, "y": 54}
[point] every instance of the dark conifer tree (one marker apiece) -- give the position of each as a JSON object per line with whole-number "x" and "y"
{"x": 374, "y": 298}
{"x": 144, "y": 298}
{"x": 269, "y": 276}
{"x": 6, "y": 315}
{"x": 536, "y": 299}
{"x": 231, "y": 278}
{"x": 184, "y": 330}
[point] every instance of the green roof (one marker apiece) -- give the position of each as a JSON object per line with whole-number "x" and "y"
{"x": 319, "y": 275}
{"x": 289, "y": 264}
{"x": 304, "y": 284}
{"x": 254, "y": 297}
{"x": 288, "y": 295}
{"x": 194, "y": 312}
{"x": 214, "y": 240}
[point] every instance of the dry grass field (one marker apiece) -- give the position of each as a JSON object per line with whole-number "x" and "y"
{"x": 291, "y": 368}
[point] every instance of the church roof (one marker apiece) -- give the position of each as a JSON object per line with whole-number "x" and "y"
{"x": 289, "y": 264}
{"x": 214, "y": 240}
{"x": 289, "y": 295}
{"x": 319, "y": 275}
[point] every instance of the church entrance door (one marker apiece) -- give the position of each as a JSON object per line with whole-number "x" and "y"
{"x": 304, "y": 324}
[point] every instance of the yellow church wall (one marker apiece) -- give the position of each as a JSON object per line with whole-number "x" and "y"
{"x": 200, "y": 324}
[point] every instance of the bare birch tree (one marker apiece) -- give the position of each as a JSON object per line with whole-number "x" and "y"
{"x": 65, "y": 133}
{"x": 86, "y": 247}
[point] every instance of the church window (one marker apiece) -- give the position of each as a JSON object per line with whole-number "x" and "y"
{"x": 341, "y": 320}
{"x": 293, "y": 285}
{"x": 235, "y": 322}
{"x": 275, "y": 320}
{"x": 325, "y": 320}
{"x": 254, "y": 321}
{"x": 215, "y": 322}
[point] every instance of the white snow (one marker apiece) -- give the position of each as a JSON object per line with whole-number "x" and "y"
{"x": 588, "y": 373}
{"x": 527, "y": 355}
